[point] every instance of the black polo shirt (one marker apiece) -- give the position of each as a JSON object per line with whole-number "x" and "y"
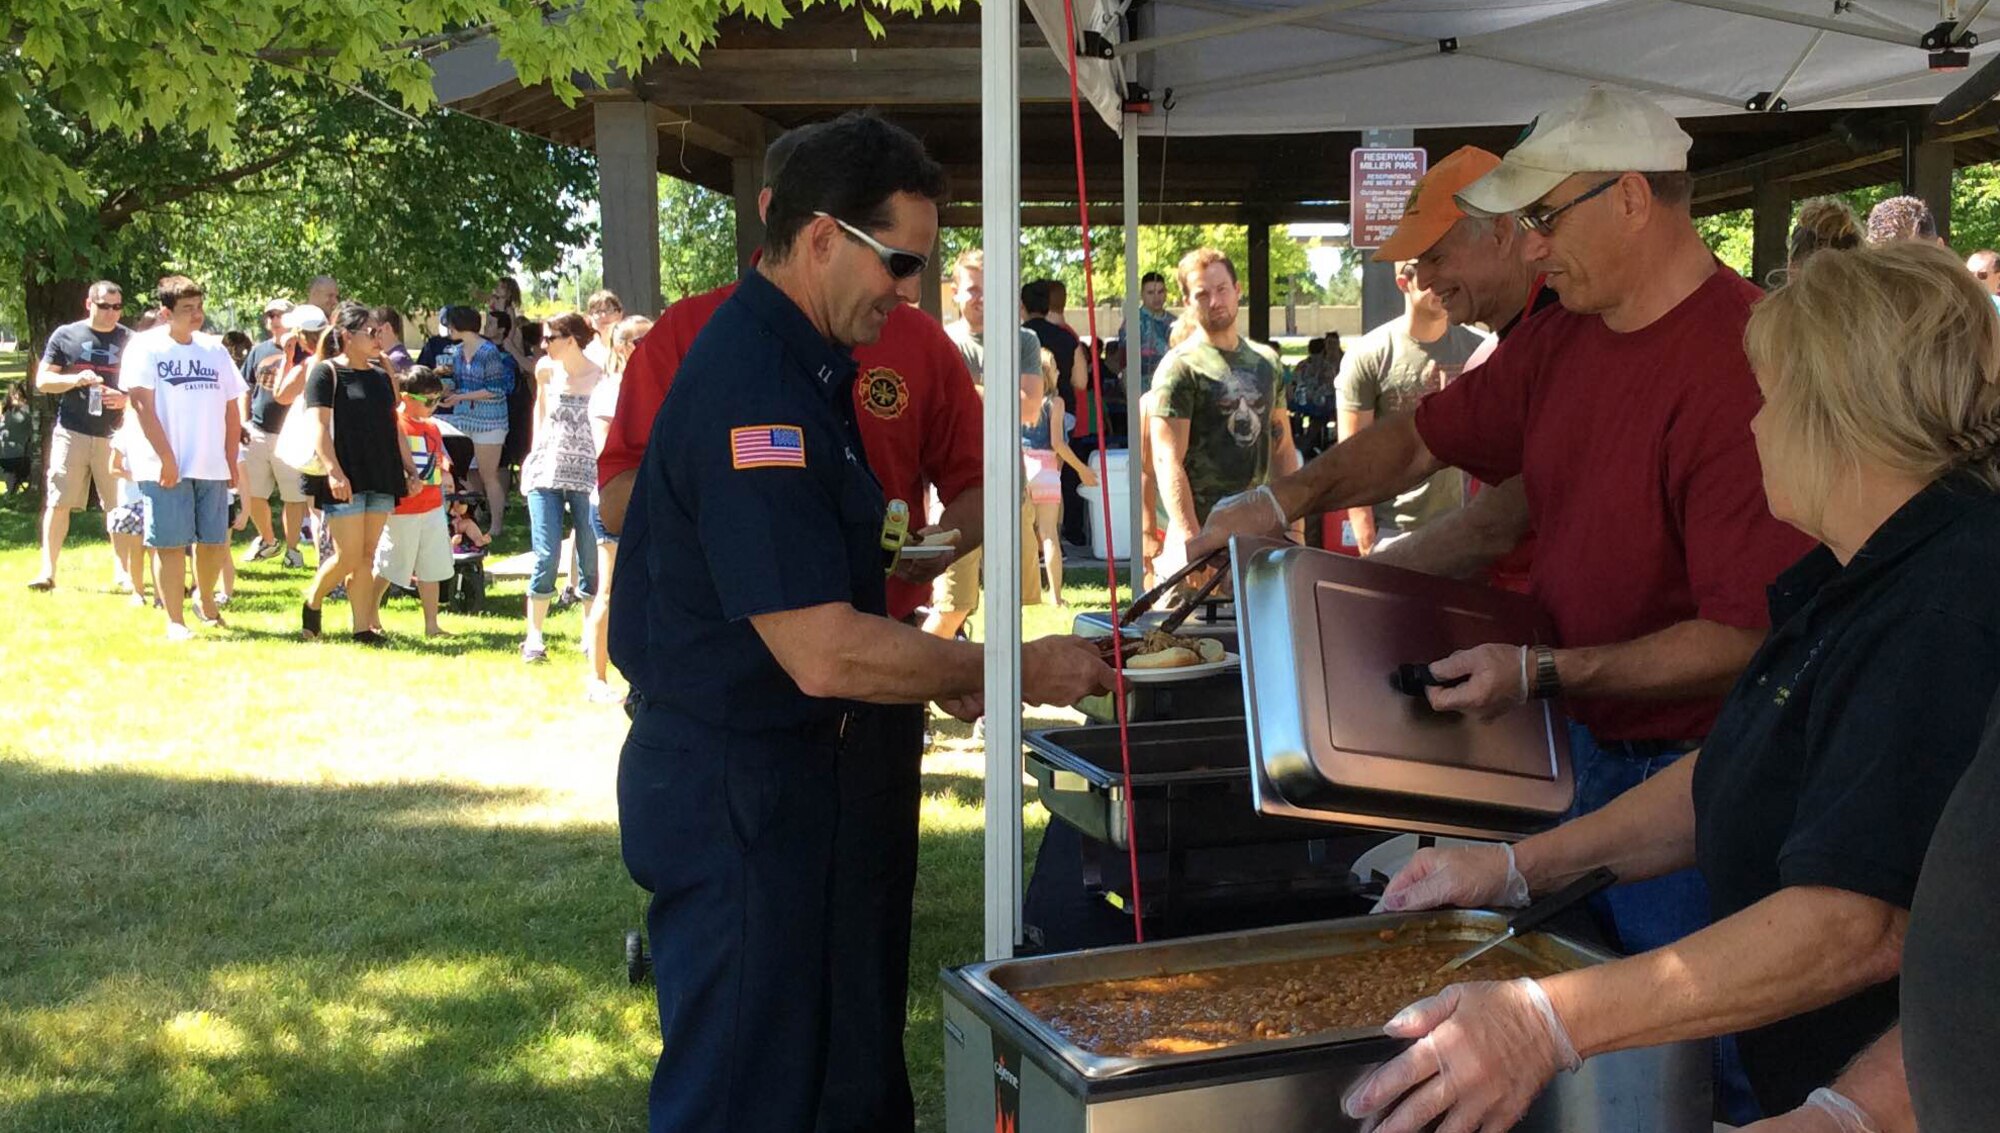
{"x": 754, "y": 497}
{"x": 1833, "y": 756}
{"x": 1951, "y": 981}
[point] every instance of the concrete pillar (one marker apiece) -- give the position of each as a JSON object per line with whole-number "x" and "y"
{"x": 1259, "y": 270}
{"x": 747, "y": 180}
{"x": 932, "y": 299}
{"x": 628, "y": 203}
{"x": 1380, "y": 301}
{"x": 1932, "y": 181}
{"x": 1771, "y": 228}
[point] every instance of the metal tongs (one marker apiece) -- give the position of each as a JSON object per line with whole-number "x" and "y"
{"x": 1145, "y": 602}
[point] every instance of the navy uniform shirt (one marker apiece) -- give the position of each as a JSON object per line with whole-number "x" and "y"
{"x": 1835, "y": 753}
{"x": 754, "y": 497}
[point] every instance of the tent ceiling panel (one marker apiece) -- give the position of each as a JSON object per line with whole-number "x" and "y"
{"x": 1266, "y": 66}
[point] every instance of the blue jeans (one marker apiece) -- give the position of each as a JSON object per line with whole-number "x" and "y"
{"x": 1652, "y": 914}
{"x": 545, "y": 533}
{"x": 192, "y": 511}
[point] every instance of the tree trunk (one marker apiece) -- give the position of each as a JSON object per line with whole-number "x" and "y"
{"x": 50, "y": 304}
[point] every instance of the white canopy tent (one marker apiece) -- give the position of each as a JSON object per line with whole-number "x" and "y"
{"x": 1228, "y": 67}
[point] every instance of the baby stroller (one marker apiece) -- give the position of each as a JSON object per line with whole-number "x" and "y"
{"x": 465, "y": 590}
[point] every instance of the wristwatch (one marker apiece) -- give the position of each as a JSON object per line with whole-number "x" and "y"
{"x": 1547, "y": 683}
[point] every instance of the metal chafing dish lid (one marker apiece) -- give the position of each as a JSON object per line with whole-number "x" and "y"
{"x": 1331, "y": 738}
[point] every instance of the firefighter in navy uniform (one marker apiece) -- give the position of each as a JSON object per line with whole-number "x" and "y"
{"x": 751, "y": 627}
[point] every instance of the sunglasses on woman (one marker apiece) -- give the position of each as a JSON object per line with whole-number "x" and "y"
{"x": 898, "y": 263}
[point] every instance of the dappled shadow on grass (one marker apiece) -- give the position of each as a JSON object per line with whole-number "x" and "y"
{"x": 199, "y": 955}
{"x": 961, "y": 789}
{"x": 191, "y": 955}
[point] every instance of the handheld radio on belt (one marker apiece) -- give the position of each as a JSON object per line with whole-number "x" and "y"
{"x": 895, "y": 532}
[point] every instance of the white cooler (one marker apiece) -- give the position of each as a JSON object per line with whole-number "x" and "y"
{"x": 1120, "y": 484}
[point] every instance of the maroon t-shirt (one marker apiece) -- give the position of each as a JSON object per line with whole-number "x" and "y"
{"x": 1642, "y": 477}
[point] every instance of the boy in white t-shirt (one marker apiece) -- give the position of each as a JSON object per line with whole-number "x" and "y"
{"x": 183, "y": 387}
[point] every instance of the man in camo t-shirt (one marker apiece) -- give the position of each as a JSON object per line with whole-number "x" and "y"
{"x": 1219, "y": 420}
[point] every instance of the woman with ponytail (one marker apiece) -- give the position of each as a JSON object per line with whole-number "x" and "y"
{"x": 353, "y": 404}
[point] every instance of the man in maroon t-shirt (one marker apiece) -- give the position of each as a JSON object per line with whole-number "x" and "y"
{"x": 1627, "y": 416}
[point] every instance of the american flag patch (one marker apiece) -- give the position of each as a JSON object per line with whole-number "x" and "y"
{"x": 767, "y": 446}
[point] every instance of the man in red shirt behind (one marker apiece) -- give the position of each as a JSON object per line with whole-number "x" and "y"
{"x": 1627, "y": 416}
{"x": 919, "y": 417}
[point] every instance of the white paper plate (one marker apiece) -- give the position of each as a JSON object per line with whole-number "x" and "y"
{"x": 918, "y": 552}
{"x": 1185, "y": 672}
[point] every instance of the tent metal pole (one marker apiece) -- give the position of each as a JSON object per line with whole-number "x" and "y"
{"x": 1000, "y": 175}
{"x": 1884, "y": 21}
{"x": 1238, "y": 27}
{"x": 1966, "y": 20}
{"x": 1135, "y": 377}
{"x": 1838, "y": 27}
{"x": 1812, "y": 44}
{"x": 1859, "y": 89}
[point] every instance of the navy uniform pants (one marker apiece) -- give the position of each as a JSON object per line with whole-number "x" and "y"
{"x": 782, "y": 866}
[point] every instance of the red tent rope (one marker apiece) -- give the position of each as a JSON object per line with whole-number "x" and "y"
{"x": 1104, "y": 475}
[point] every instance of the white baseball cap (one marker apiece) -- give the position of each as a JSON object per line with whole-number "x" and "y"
{"x": 305, "y": 317}
{"x": 1607, "y": 130}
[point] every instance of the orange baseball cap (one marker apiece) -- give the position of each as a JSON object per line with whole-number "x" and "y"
{"x": 1430, "y": 212}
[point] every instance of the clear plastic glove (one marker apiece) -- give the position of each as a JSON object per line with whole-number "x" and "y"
{"x": 1255, "y": 512}
{"x": 1457, "y": 877}
{"x": 1483, "y": 1051}
{"x": 1496, "y": 681}
{"x": 1825, "y": 1111}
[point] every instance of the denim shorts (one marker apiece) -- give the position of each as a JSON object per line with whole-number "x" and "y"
{"x": 192, "y": 511}
{"x": 379, "y": 503}
{"x": 597, "y": 523}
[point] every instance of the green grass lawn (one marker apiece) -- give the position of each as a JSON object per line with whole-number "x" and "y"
{"x": 249, "y": 883}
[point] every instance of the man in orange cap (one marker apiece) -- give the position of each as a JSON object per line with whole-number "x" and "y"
{"x": 1472, "y": 265}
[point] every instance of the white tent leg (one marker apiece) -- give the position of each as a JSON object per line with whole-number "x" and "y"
{"x": 1000, "y": 165}
{"x": 1135, "y": 376}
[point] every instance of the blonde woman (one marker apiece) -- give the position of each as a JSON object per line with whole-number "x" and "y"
{"x": 624, "y": 339}
{"x": 1045, "y": 450}
{"x": 1809, "y": 807}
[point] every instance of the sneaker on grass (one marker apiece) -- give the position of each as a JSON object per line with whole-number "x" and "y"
{"x": 260, "y": 550}
{"x": 294, "y": 560}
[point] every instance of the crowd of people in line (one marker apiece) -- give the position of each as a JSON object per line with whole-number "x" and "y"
{"x": 393, "y": 464}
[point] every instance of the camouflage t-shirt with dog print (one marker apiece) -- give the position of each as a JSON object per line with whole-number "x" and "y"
{"x": 1230, "y": 399}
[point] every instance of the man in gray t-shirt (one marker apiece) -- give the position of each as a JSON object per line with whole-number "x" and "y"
{"x": 1389, "y": 370}
{"x": 955, "y": 593}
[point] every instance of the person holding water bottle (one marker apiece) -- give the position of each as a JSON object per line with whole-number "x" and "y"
{"x": 80, "y": 363}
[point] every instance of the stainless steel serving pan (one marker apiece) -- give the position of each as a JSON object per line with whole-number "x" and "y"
{"x": 1319, "y": 635}
{"x": 999, "y": 980}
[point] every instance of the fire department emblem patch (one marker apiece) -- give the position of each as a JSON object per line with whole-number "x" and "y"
{"x": 885, "y": 393}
